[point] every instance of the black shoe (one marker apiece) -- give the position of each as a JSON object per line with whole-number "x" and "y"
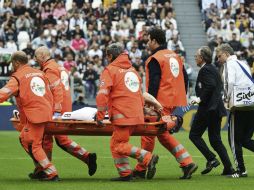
{"x": 139, "y": 174}
{"x": 126, "y": 178}
{"x": 92, "y": 166}
{"x": 55, "y": 178}
{"x": 239, "y": 174}
{"x": 189, "y": 170}
{"x": 210, "y": 165}
{"x": 37, "y": 173}
{"x": 228, "y": 171}
{"x": 151, "y": 167}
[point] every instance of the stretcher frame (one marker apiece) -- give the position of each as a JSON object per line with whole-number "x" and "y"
{"x": 89, "y": 128}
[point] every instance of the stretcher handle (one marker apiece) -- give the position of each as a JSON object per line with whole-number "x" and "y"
{"x": 92, "y": 122}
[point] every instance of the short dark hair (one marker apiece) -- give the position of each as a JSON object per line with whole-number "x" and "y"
{"x": 158, "y": 35}
{"x": 206, "y": 54}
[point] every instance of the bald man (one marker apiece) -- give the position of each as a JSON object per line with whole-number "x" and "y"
{"x": 59, "y": 85}
{"x": 34, "y": 100}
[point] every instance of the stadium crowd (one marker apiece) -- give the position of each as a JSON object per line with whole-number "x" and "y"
{"x": 230, "y": 22}
{"x": 78, "y": 33}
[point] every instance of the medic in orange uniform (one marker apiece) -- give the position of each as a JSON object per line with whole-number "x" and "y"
{"x": 120, "y": 94}
{"x": 34, "y": 101}
{"x": 165, "y": 81}
{"x": 59, "y": 85}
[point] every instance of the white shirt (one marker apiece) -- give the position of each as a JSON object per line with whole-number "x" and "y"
{"x": 236, "y": 76}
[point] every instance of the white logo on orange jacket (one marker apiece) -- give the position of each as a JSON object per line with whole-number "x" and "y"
{"x": 131, "y": 81}
{"x": 38, "y": 86}
{"x": 174, "y": 66}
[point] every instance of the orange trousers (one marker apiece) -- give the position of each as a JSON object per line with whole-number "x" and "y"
{"x": 121, "y": 150}
{"x": 31, "y": 140}
{"x": 68, "y": 145}
{"x": 169, "y": 142}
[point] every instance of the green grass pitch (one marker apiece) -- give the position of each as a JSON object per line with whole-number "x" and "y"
{"x": 15, "y": 165}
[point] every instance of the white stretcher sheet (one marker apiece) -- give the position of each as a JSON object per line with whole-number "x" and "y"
{"x": 83, "y": 114}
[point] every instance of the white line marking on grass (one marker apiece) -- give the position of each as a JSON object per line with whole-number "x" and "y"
{"x": 103, "y": 157}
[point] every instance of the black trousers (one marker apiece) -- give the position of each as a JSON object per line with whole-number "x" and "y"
{"x": 211, "y": 121}
{"x": 241, "y": 128}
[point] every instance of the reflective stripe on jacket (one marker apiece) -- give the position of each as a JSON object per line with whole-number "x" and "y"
{"x": 59, "y": 84}
{"x": 34, "y": 98}
{"x": 120, "y": 92}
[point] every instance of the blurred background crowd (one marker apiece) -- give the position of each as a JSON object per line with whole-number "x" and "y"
{"x": 231, "y": 22}
{"x": 78, "y": 31}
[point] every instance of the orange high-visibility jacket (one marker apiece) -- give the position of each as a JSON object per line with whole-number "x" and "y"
{"x": 59, "y": 84}
{"x": 171, "y": 91}
{"x": 120, "y": 93}
{"x": 32, "y": 92}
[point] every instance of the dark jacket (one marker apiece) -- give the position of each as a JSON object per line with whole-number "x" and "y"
{"x": 208, "y": 89}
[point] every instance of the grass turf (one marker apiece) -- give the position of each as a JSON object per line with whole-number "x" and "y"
{"x": 15, "y": 165}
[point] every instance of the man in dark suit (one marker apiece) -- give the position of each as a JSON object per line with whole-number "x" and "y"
{"x": 210, "y": 112}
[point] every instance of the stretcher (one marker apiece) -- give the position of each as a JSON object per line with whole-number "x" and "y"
{"x": 89, "y": 128}
{"x": 153, "y": 126}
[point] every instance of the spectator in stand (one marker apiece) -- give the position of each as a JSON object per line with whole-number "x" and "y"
{"x": 80, "y": 101}
{"x": 170, "y": 31}
{"x": 246, "y": 38}
{"x": 11, "y": 45}
{"x": 175, "y": 42}
{"x": 95, "y": 51}
{"x": 126, "y": 24}
{"x": 139, "y": 15}
{"x": 69, "y": 64}
{"x": 39, "y": 41}
{"x": 115, "y": 13}
{"x": 78, "y": 84}
{"x": 152, "y": 20}
{"x": 22, "y": 22}
{"x": 91, "y": 31}
{"x": 63, "y": 41}
{"x": 5, "y": 9}
{"x": 117, "y": 32}
{"x": 166, "y": 9}
{"x": 220, "y": 30}
{"x": 75, "y": 20}
{"x": 225, "y": 22}
{"x": 211, "y": 11}
{"x": 138, "y": 63}
{"x": 251, "y": 10}
{"x": 76, "y": 31}
{"x": 142, "y": 43}
{"x": 77, "y": 42}
{"x": 90, "y": 77}
{"x": 168, "y": 18}
{"x": 154, "y": 9}
{"x": 134, "y": 53}
{"x": 212, "y": 32}
{"x": 235, "y": 44}
{"x": 19, "y": 8}
{"x": 242, "y": 22}
{"x": 232, "y": 29}
{"x": 97, "y": 64}
{"x": 29, "y": 50}
{"x": 67, "y": 50}
{"x": 23, "y": 38}
{"x": 46, "y": 11}
{"x": 9, "y": 34}
{"x": 59, "y": 10}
